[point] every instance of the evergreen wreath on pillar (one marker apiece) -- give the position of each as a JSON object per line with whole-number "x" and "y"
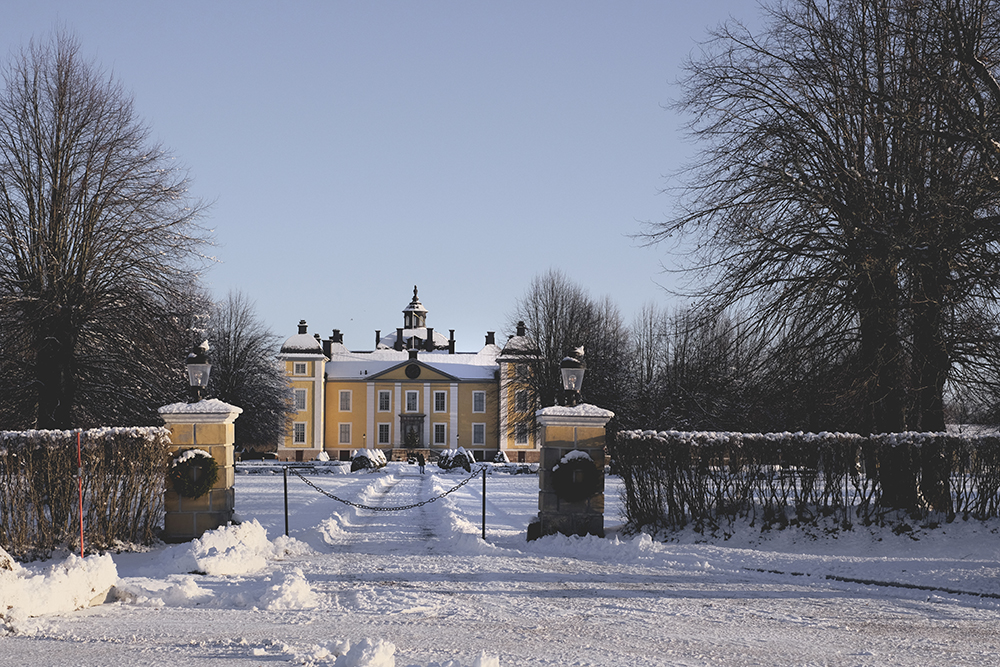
{"x": 193, "y": 472}
{"x": 575, "y": 478}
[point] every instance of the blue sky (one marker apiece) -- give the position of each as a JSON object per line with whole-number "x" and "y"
{"x": 353, "y": 149}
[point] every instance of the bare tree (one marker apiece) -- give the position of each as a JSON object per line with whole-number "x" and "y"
{"x": 649, "y": 366}
{"x": 98, "y": 243}
{"x": 560, "y": 316}
{"x": 246, "y": 373}
{"x": 848, "y": 179}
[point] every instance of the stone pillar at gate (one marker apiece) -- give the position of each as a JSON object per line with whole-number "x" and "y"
{"x": 206, "y": 425}
{"x": 566, "y": 433}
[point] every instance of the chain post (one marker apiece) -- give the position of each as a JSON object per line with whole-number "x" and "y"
{"x": 484, "y": 503}
{"x": 285, "y": 469}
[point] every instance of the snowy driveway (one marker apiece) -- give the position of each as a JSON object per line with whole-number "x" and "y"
{"x": 425, "y": 582}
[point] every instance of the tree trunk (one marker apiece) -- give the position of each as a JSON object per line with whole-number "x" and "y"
{"x": 931, "y": 364}
{"x": 55, "y": 373}
{"x": 882, "y": 367}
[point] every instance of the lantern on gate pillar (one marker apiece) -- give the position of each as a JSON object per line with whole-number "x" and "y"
{"x": 572, "y": 369}
{"x": 198, "y": 370}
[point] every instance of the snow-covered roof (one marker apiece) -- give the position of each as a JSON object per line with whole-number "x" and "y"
{"x": 347, "y": 365}
{"x": 389, "y": 341}
{"x": 302, "y": 343}
{"x": 519, "y": 347}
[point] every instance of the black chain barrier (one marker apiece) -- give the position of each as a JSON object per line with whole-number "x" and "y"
{"x": 385, "y": 509}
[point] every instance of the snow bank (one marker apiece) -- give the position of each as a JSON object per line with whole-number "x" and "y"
{"x": 72, "y": 584}
{"x": 292, "y": 593}
{"x": 230, "y": 550}
{"x": 365, "y": 653}
{"x": 336, "y": 653}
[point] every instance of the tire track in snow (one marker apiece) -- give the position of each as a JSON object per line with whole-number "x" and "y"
{"x": 877, "y": 582}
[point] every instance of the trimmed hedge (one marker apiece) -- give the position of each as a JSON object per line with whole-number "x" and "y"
{"x": 672, "y": 478}
{"x": 123, "y": 482}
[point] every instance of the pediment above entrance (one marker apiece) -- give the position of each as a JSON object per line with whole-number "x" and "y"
{"x": 413, "y": 370}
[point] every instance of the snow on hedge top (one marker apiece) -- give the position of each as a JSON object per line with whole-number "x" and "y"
{"x": 376, "y": 455}
{"x": 736, "y": 438}
{"x": 88, "y": 438}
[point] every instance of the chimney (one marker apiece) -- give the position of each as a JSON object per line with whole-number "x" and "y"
{"x": 451, "y": 341}
{"x": 521, "y": 329}
{"x": 302, "y": 327}
{"x": 490, "y": 338}
{"x": 413, "y": 355}
{"x": 399, "y": 340}
{"x": 429, "y": 343}
{"x": 378, "y": 337}
{"x": 328, "y": 348}
{"x": 337, "y": 337}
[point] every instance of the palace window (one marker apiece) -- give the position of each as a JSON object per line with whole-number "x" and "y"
{"x": 383, "y": 434}
{"x": 300, "y": 399}
{"x": 440, "y": 401}
{"x": 479, "y": 434}
{"x": 345, "y": 434}
{"x": 299, "y": 433}
{"x": 439, "y": 434}
{"x": 384, "y": 401}
{"x": 521, "y": 434}
{"x": 521, "y": 401}
{"x": 345, "y": 400}
{"x": 412, "y": 401}
{"x": 299, "y": 368}
{"x": 479, "y": 401}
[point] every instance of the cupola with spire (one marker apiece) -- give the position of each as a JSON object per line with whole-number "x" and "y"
{"x": 414, "y": 315}
{"x": 415, "y": 334}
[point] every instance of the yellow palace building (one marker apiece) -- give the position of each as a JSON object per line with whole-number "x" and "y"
{"x": 413, "y": 392}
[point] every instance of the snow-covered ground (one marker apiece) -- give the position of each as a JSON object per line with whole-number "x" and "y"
{"x": 353, "y": 587}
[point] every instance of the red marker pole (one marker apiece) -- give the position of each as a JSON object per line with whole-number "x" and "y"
{"x": 79, "y": 477}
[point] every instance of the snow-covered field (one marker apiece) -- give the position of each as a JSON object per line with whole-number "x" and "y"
{"x": 352, "y": 587}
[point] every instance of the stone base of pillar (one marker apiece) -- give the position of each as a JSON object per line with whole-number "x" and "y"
{"x": 206, "y": 425}
{"x": 564, "y": 430}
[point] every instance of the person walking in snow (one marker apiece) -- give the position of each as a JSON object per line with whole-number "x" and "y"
{"x": 421, "y": 462}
